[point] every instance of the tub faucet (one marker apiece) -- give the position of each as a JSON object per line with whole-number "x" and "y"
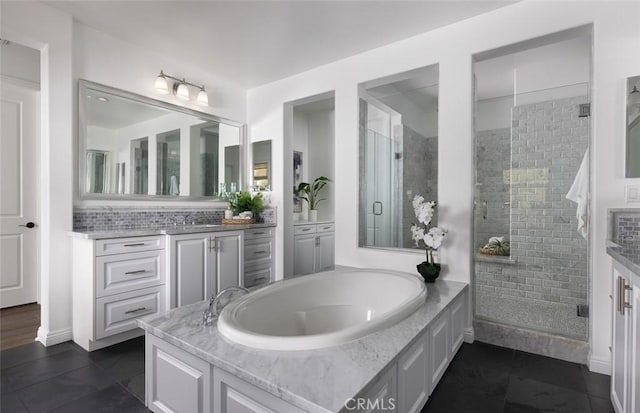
{"x": 219, "y": 301}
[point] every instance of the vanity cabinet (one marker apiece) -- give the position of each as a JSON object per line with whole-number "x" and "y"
{"x": 625, "y": 377}
{"x": 114, "y": 282}
{"x": 259, "y": 247}
{"x": 314, "y": 248}
{"x": 203, "y": 264}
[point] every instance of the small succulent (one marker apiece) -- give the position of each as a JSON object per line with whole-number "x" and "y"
{"x": 500, "y": 247}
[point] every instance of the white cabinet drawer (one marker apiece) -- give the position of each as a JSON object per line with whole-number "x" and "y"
{"x": 127, "y": 272}
{"x": 257, "y": 250}
{"x": 117, "y": 313}
{"x": 258, "y": 233}
{"x": 325, "y": 227}
{"x": 124, "y": 245}
{"x": 304, "y": 229}
{"x": 253, "y": 277}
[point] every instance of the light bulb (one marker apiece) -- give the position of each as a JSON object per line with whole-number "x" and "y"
{"x": 203, "y": 97}
{"x": 182, "y": 92}
{"x": 161, "y": 85}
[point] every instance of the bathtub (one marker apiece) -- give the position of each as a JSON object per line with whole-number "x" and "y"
{"x": 321, "y": 310}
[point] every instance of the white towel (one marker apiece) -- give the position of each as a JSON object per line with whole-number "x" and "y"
{"x": 173, "y": 186}
{"x": 579, "y": 193}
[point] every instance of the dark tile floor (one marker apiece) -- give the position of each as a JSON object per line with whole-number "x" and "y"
{"x": 65, "y": 378}
{"x": 481, "y": 378}
{"x": 484, "y": 378}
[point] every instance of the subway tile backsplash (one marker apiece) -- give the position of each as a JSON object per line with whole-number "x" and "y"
{"x": 624, "y": 224}
{"x": 124, "y": 218}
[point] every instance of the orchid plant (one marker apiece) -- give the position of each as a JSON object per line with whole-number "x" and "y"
{"x": 432, "y": 237}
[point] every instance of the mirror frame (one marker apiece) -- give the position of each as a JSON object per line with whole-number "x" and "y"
{"x": 84, "y": 85}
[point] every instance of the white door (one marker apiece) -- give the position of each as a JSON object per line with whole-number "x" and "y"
{"x": 19, "y": 128}
{"x": 228, "y": 260}
{"x": 304, "y": 252}
{"x": 190, "y": 256}
{"x": 325, "y": 252}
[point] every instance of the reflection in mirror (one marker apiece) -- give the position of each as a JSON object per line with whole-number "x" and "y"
{"x": 633, "y": 127}
{"x": 134, "y": 145}
{"x": 97, "y": 171}
{"x": 398, "y": 154}
{"x": 261, "y": 165}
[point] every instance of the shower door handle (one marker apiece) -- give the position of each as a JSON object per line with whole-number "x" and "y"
{"x": 377, "y": 203}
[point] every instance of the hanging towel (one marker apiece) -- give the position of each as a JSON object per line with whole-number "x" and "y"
{"x": 579, "y": 193}
{"x": 173, "y": 186}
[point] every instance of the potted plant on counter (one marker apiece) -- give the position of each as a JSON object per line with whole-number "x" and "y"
{"x": 311, "y": 194}
{"x": 431, "y": 237}
{"x": 245, "y": 206}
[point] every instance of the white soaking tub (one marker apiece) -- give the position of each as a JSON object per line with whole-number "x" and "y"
{"x": 322, "y": 310}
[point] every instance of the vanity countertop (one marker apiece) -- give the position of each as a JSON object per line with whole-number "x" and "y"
{"x": 626, "y": 253}
{"x": 318, "y": 380}
{"x": 164, "y": 230}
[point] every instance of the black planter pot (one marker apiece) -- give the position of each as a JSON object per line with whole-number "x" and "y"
{"x": 428, "y": 271}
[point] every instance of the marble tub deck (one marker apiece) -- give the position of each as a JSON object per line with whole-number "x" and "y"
{"x": 314, "y": 380}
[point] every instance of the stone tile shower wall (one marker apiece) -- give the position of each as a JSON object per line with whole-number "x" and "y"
{"x": 493, "y": 158}
{"x": 123, "y": 218}
{"x": 419, "y": 175}
{"x": 550, "y": 274}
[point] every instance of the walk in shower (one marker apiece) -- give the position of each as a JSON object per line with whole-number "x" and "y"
{"x": 531, "y": 145}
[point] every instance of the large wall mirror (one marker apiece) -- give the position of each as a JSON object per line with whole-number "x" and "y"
{"x": 633, "y": 127}
{"x": 398, "y": 154}
{"x": 131, "y": 146}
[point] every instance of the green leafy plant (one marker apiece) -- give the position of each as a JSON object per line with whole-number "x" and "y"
{"x": 500, "y": 247}
{"x": 244, "y": 201}
{"x": 311, "y": 192}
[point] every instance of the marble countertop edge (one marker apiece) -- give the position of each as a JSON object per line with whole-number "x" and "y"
{"x": 164, "y": 230}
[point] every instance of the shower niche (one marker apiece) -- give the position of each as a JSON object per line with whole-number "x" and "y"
{"x": 531, "y": 145}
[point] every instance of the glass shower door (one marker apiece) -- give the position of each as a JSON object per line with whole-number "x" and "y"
{"x": 380, "y": 195}
{"x": 523, "y": 174}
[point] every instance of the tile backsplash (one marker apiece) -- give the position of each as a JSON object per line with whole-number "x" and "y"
{"x": 121, "y": 218}
{"x": 624, "y": 224}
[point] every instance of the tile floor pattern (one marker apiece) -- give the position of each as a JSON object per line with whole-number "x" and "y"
{"x": 482, "y": 378}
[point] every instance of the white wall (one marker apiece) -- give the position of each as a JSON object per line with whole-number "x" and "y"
{"x": 616, "y": 33}
{"x": 320, "y": 160}
{"x": 102, "y": 58}
{"x": 43, "y": 28}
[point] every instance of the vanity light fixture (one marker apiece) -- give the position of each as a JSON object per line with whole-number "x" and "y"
{"x": 180, "y": 88}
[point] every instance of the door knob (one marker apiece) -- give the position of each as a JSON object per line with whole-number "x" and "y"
{"x": 28, "y": 225}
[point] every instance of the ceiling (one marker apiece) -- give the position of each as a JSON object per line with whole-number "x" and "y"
{"x": 251, "y": 43}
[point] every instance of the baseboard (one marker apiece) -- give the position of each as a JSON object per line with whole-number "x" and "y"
{"x": 51, "y": 338}
{"x": 600, "y": 366}
{"x": 469, "y": 335}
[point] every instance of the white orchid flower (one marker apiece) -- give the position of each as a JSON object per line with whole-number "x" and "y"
{"x": 434, "y": 237}
{"x": 417, "y": 233}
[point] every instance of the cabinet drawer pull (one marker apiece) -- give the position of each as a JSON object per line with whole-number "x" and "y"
{"x": 136, "y": 310}
{"x": 258, "y": 233}
{"x": 306, "y": 229}
{"x": 135, "y": 272}
{"x": 260, "y": 252}
{"x": 259, "y": 279}
{"x": 326, "y": 227}
{"x": 137, "y": 244}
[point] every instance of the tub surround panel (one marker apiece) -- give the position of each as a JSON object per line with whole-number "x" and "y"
{"x": 315, "y": 380}
{"x": 576, "y": 351}
{"x": 134, "y": 218}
